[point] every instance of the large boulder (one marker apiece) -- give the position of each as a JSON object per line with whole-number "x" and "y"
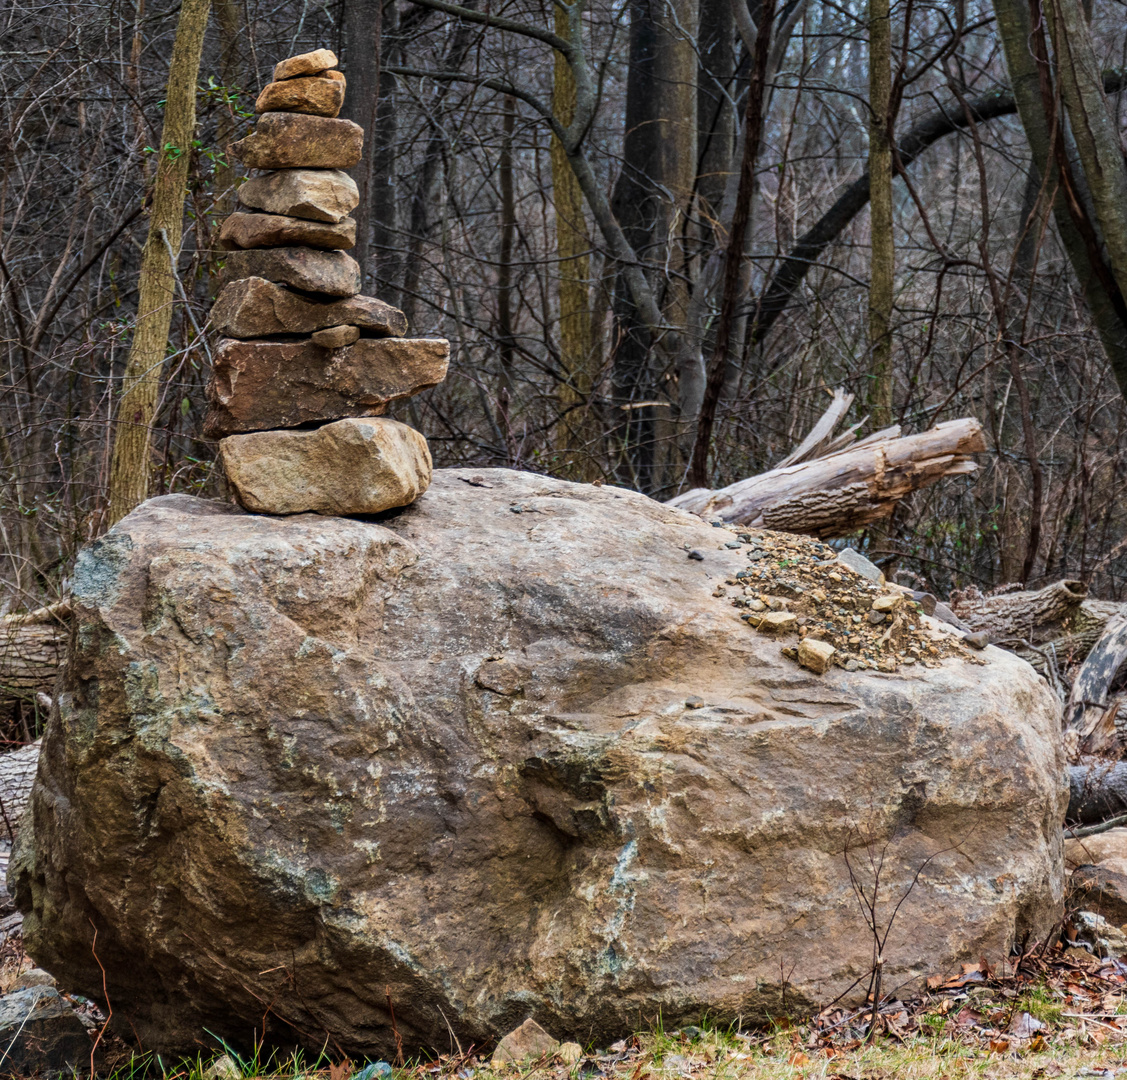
{"x": 501, "y": 754}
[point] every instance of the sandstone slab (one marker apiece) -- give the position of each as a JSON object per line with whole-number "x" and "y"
{"x": 274, "y": 230}
{"x": 257, "y": 385}
{"x": 272, "y": 753}
{"x": 336, "y": 337}
{"x": 285, "y": 140}
{"x": 42, "y": 1034}
{"x": 254, "y": 307}
{"x": 313, "y": 194}
{"x": 348, "y": 467}
{"x": 525, "y": 1043}
{"x": 318, "y": 97}
{"x": 332, "y": 273}
{"x": 308, "y": 63}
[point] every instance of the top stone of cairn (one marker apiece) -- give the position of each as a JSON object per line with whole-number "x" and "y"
{"x": 310, "y": 63}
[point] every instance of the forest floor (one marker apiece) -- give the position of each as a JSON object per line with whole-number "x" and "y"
{"x": 1061, "y": 1013}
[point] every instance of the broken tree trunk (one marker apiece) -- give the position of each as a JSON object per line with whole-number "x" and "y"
{"x": 31, "y": 648}
{"x": 17, "y": 773}
{"x": 846, "y": 488}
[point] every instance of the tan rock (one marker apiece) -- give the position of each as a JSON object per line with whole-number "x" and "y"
{"x": 257, "y": 385}
{"x": 349, "y": 467}
{"x": 336, "y": 337}
{"x": 274, "y": 230}
{"x": 525, "y": 1043}
{"x": 309, "y": 63}
{"x": 1106, "y": 849}
{"x": 287, "y": 140}
{"x": 312, "y": 194}
{"x": 887, "y": 603}
{"x": 315, "y": 96}
{"x": 330, "y": 272}
{"x": 570, "y": 1053}
{"x": 254, "y": 308}
{"x": 815, "y": 655}
{"x": 777, "y": 622}
{"x": 336, "y": 76}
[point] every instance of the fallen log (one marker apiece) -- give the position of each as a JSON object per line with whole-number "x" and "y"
{"x": 17, "y": 773}
{"x": 847, "y": 487}
{"x": 32, "y": 645}
{"x": 1096, "y": 792}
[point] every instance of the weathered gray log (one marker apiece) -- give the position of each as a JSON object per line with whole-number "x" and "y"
{"x": 1037, "y": 616}
{"x": 1087, "y": 712}
{"x": 1096, "y": 792}
{"x": 845, "y": 489}
{"x": 32, "y": 645}
{"x": 17, "y": 773}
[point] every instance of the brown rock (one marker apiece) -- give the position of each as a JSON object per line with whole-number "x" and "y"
{"x": 286, "y": 140}
{"x": 316, "y": 96}
{"x": 525, "y": 1043}
{"x": 268, "y": 740}
{"x": 313, "y": 194}
{"x": 255, "y": 308}
{"x": 336, "y": 76}
{"x": 350, "y": 467}
{"x": 330, "y": 272}
{"x": 815, "y": 655}
{"x": 1107, "y": 849}
{"x": 257, "y": 385}
{"x": 336, "y": 337}
{"x": 274, "y": 230}
{"x": 1099, "y": 889}
{"x": 309, "y": 63}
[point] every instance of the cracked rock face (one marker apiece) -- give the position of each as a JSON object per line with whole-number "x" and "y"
{"x": 449, "y": 752}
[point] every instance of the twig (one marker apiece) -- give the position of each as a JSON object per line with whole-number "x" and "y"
{"x": 1091, "y": 830}
{"x": 105, "y": 994}
{"x": 394, "y": 1029}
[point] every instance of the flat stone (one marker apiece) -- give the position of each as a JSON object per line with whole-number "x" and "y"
{"x": 815, "y": 655}
{"x": 274, "y": 230}
{"x": 313, "y": 194}
{"x": 286, "y": 140}
{"x": 309, "y": 63}
{"x": 525, "y": 1043}
{"x": 860, "y": 565}
{"x": 41, "y": 1033}
{"x": 254, "y": 307}
{"x": 350, "y": 467}
{"x": 777, "y": 622}
{"x": 330, "y": 272}
{"x": 887, "y": 603}
{"x": 336, "y": 337}
{"x": 313, "y": 95}
{"x": 33, "y": 977}
{"x": 257, "y": 385}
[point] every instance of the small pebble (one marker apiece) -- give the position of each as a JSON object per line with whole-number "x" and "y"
{"x": 977, "y": 640}
{"x": 733, "y": 544}
{"x": 875, "y": 617}
{"x": 696, "y": 554}
{"x": 694, "y": 703}
{"x": 757, "y": 605}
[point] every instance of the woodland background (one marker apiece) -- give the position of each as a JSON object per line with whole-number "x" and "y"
{"x": 477, "y": 229}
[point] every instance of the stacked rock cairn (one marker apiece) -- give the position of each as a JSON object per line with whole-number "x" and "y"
{"x": 305, "y": 366}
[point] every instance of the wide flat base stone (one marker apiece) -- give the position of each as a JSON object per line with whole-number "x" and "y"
{"x": 254, "y": 308}
{"x": 350, "y": 467}
{"x": 259, "y": 385}
{"x": 286, "y": 140}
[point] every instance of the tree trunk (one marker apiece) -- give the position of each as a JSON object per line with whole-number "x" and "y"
{"x": 130, "y": 465}
{"x": 882, "y": 267}
{"x": 505, "y": 256}
{"x": 1026, "y": 59}
{"x": 362, "y": 26}
{"x": 578, "y": 437}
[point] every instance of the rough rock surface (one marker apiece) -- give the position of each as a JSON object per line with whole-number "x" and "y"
{"x": 362, "y": 466}
{"x": 297, "y": 760}
{"x": 275, "y": 230}
{"x": 1107, "y": 849}
{"x": 41, "y": 1034}
{"x": 257, "y": 385}
{"x": 318, "y": 97}
{"x": 308, "y": 63}
{"x": 284, "y": 140}
{"x": 336, "y": 337}
{"x": 1100, "y": 890}
{"x": 254, "y": 307}
{"x": 314, "y": 194}
{"x": 330, "y": 272}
